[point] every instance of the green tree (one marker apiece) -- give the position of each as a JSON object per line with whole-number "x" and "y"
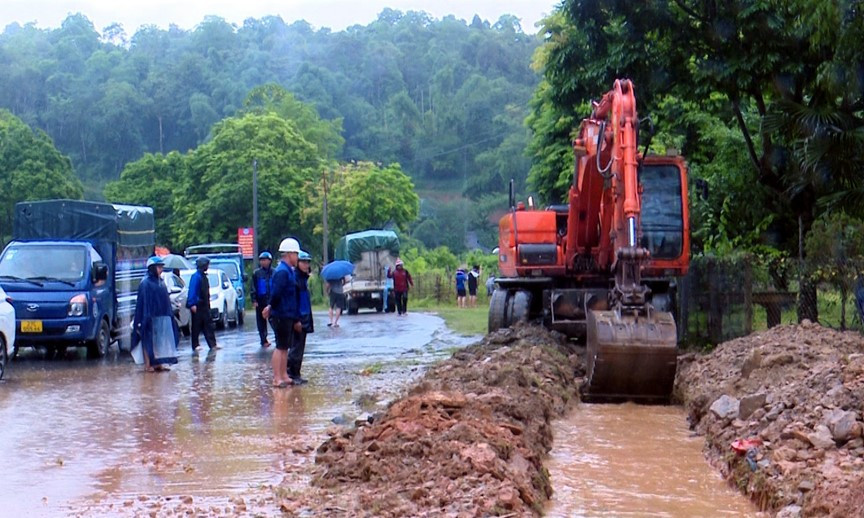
{"x": 31, "y": 168}
{"x": 835, "y": 254}
{"x": 216, "y": 197}
{"x": 325, "y": 134}
{"x": 153, "y": 180}
{"x": 362, "y": 196}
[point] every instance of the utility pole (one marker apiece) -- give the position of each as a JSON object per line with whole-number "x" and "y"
{"x": 255, "y": 209}
{"x": 324, "y": 222}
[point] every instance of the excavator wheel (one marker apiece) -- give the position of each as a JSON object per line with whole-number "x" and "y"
{"x": 497, "y": 310}
{"x": 508, "y": 307}
{"x": 630, "y": 357}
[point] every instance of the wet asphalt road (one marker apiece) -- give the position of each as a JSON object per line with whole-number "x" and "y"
{"x": 76, "y": 431}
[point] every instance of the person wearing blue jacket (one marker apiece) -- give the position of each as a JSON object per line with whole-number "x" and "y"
{"x": 261, "y": 280}
{"x": 298, "y": 348}
{"x": 198, "y": 302}
{"x": 283, "y": 310}
{"x": 461, "y": 279}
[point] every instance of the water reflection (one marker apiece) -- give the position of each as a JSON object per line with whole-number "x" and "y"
{"x": 77, "y": 431}
{"x": 631, "y": 460}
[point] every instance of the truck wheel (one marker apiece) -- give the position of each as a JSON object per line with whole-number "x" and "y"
{"x": 223, "y": 318}
{"x": 4, "y": 357}
{"x": 379, "y": 306}
{"x": 98, "y": 348}
{"x": 353, "y": 307}
{"x": 241, "y": 315}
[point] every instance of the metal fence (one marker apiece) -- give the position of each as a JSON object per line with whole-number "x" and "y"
{"x": 724, "y": 298}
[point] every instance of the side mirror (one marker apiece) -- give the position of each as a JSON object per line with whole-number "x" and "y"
{"x": 100, "y": 271}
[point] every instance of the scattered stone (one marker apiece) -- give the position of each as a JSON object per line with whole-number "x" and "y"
{"x": 806, "y": 485}
{"x": 750, "y": 404}
{"x": 725, "y": 407}
{"x": 821, "y": 438}
{"x": 790, "y": 511}
{"x": 842, "y": 425}
{"x": 812, "y": 379}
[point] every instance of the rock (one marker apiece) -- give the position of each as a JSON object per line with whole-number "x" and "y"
{"x": 725, "y": 407}
{"x": 750, "y": 404}
{"x": 842, "y": 425}
{"x": 806, "y": 485}
{"x": 790, "y": 511}
{"x": 821, "y": 438}
{"x": 753, "y": 362}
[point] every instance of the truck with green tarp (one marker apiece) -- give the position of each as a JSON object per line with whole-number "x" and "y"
{"x": 372, "y": 252}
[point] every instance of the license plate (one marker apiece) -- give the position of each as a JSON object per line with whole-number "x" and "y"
{"x": 31, "y": 326}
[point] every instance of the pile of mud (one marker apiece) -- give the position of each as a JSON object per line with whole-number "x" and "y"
{"x": 467, "y": 440}
{"x": 798, "y": 393}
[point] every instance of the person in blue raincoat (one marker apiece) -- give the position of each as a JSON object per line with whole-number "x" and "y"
{"x": 304, "y": 307}
{"x": 155, "y": 334}
{"x": 859, "y": 297}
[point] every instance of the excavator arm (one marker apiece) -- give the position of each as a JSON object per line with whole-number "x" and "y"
{"x": 632, "y": 349}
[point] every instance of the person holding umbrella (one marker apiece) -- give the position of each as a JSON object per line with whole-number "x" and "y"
{"x": 261, "y": 281}
{"x": 335, "y": 273}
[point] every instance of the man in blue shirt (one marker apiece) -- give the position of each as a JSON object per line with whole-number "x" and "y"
{"x": 283, "y": 310}
{"x": 198, "y": 302}
{"x": 261, "y": 280}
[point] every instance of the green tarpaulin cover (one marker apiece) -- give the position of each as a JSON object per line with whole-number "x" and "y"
{"x": 352, "y": 246}
{"x": 126, "y": 225}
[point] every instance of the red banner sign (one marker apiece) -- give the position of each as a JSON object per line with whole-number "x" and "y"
{"x": 246, "y": 240}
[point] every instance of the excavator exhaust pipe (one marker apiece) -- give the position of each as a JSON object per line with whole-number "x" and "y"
{"x": 630, "y": 357}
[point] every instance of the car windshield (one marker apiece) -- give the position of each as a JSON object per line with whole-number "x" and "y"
{"x": 66, "y": 263}
{"x": 229, "y": 267}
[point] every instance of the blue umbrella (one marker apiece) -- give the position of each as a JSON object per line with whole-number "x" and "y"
{"x": 337, "y": 270}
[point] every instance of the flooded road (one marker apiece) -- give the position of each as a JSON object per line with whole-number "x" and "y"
{"x": 630, "y": 460}
{"x": 94, "y": 437}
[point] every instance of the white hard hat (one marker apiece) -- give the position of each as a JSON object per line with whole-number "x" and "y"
{"x": 289, "y": 244}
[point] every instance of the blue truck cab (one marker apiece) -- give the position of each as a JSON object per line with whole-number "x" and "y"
{"x": 72, "y": 271}
{"x": 227, "y": 257}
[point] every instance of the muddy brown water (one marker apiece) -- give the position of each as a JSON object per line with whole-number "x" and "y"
{"x": 635, "y": 461}
{"x": 78, "y": 433}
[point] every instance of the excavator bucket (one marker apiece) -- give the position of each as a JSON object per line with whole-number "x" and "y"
{"x": 631, "y": 357}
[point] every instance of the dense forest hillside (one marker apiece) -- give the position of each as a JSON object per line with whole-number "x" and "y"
{"x": 444, "y": 98}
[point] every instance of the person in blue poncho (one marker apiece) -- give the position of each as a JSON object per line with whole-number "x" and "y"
{"x": 155, "y": 334}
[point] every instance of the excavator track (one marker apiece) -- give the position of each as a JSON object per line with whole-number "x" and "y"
{"x": 630, "y": 357}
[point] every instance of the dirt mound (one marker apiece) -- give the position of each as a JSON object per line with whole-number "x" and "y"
{"x": 798, "y": 393}
{"x": 468, "y": 440}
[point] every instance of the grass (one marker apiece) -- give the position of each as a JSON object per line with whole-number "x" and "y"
{"x": 468, "y": 321}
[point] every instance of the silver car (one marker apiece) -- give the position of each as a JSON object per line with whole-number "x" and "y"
{"x": 177, "y": 291}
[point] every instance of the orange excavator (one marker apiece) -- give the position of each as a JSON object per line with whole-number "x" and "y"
{"x": 604, "y": 266}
